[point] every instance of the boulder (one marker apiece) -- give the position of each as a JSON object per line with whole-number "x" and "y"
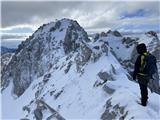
{"x": 105, "y": 76}
{"x": 38, "y": 114}
{"x": 108, "y": 89}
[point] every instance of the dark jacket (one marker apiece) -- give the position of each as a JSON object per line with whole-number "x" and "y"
{"x": 137, "y": 67}
{"x": 141, "y": 49}
{"x": 141, "y": 79}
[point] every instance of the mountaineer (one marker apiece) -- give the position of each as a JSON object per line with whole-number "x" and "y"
{"x": 145, "y": 68}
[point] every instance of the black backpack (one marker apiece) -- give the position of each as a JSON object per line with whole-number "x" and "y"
{"x": 150, "y": 66}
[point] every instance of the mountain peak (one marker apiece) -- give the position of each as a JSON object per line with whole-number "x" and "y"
{"x": 39, "y": 52}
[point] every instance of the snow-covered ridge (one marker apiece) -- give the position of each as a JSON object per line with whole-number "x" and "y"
{"x": 59, "y": 73}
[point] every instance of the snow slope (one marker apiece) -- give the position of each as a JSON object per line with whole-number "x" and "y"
{"x": 80, "y": 85}
{"x": 80, "y": 99}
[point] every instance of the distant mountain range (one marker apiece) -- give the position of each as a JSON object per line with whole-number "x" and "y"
{"x": 7, "y": 50}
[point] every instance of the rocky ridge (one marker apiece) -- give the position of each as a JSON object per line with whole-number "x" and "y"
{"x": 60, "y": 59}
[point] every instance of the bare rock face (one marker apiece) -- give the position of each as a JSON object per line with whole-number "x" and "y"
{"x": 86, "y": 53}
{"x": 83, "y": 56}
{"x": 69, "y": 42}
{"x": 74, "y": 35}
{"x": 5, "y": 59}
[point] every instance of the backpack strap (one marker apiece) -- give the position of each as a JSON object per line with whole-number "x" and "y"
{"x": 143, "y": 63}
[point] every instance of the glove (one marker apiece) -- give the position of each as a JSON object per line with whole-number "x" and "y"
{"x": 134, "y": 76}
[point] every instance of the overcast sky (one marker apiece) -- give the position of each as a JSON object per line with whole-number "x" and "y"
{"x": 19, "y": 19}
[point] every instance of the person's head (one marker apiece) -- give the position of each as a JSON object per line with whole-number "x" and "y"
{"x": 141, "y": 48}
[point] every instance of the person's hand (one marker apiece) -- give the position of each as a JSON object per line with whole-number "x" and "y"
{"x": 134, "y": 77}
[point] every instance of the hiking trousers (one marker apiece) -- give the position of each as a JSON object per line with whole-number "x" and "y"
{"x": 143, "y": 83}
{"x": 144, "y": 94}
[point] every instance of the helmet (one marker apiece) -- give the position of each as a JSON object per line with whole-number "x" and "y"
{"x": 141, "y": 48}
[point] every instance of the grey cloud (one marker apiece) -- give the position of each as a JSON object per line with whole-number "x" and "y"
{"x": 12, "y": 36}
{"x": 15, "y": 13}
{"x": 37, "y": 13}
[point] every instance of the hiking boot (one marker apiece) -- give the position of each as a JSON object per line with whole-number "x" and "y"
{"x": 144, "y": 104}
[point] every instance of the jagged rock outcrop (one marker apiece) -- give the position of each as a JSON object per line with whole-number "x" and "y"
{"x": 74, "y": 32}
{"x": 112, "y": 112}
{"x": 96, "y": 37}
{"x": 103, "y": 34}
{"x": 117, "y": 34}
{"x": 5, "y": 58}
{"x": 54, "y": 113}
{"x": 83, "y": 56}
{"x": 152, "y": 34}
{"x": 117, "y": 43}
{"x": 105, "y": 76}
{"x": 128, "y": 41}
{"x": 38, "y": 114}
